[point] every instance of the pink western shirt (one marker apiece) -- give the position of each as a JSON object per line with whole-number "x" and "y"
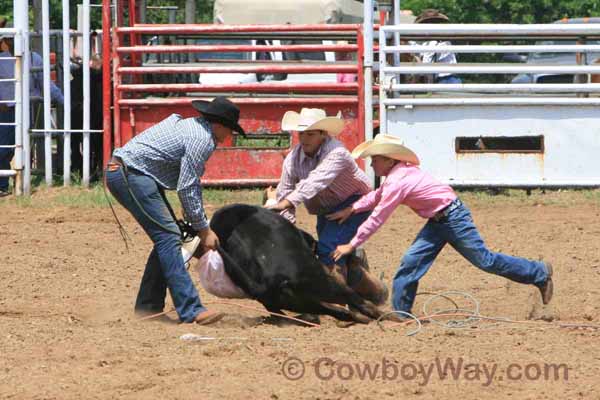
{"x": 405, "y": 184}
{"x": 322, "y": 181}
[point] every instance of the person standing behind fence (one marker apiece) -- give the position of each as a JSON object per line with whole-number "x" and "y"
{"x": 7, "y": 93}
{"x": 171, "y": 155}
{"x": 96, "y": 118}
{"x": 448, "y": 221}
{"x": 432, "y": 16}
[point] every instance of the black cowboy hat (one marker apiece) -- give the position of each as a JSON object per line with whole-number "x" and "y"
{"x": 222, "y": 110}
{"x": 431, "y": 16}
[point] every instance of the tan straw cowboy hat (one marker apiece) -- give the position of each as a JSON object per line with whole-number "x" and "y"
{"x": 310, "y": 119}
{"x": 431, "y": 16}
{"x": 385, "y": 145}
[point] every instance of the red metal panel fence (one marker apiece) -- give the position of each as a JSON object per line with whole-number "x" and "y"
{"x": 137, "y": 107}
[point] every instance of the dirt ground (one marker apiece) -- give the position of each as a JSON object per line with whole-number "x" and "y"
{"x": 67, "y": 330}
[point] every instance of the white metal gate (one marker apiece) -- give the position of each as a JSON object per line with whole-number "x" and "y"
{"x": 11, "y": 104}
{"x": 495, "y": 134}
{"x": 27, "y": 71}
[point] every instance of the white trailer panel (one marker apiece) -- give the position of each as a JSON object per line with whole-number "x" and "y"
{"x": 569, "y": 154}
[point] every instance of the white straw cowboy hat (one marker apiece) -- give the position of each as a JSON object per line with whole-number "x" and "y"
{"x": 386, "y": 145}
{"x": 312, "y": 119}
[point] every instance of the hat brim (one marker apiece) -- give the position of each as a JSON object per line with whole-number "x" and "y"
{"x": 332, "y": 125}
{"x": 392, "y": 150}
{"x": 437, "y": 18}
{"x": 201, "y": 105}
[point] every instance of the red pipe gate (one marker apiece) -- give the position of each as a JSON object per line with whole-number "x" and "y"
{"x": 137, "y": 104}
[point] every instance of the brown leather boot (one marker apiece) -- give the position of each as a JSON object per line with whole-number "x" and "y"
{"x": 208, "y": 317}
{"x": 547, "y": 288}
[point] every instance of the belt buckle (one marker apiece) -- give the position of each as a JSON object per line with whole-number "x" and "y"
{"x": 112, "y": 167}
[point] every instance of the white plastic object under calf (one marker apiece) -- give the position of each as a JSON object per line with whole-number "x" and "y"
{"x": 214, "y": 279}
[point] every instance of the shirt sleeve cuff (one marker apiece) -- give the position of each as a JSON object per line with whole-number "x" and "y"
{"x": 356, "y": 207}
{"x": 200, "y": 225}
{"x": 355, "y": 242}
{"x": 289, "y": 215}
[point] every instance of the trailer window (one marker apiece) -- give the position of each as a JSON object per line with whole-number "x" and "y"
{"x": 500, "y": 144}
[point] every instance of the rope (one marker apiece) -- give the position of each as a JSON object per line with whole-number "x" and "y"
{"x": 124, "y": 235}
{"x": 453, "y": 323}
{"x": 237, "y": 305}
{"x": 406, "y": 314}
{"x": 265, "y": 312}
{"x": 472, "y": 317}
{"x": 161, "y": 226}
{"x": 186, "y": 232}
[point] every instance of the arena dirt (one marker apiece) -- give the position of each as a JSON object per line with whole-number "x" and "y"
{"x": 67, "y": 330}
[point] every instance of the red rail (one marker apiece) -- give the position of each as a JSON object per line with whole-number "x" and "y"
{"x": 291, "y": 102}
{"x": 230, "y": 48}
{"x": 291, "y": 69}
{"x": 243, "y": 87}
{"x": 157, "y": 29}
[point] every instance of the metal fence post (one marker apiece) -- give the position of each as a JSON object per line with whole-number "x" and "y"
{"x": 21, "y": 26}
{"x": 86, "y": 93}
{"x": 66, "y": 93}
{"x": 368, "y": 76}
{"x": 47, "y": 105}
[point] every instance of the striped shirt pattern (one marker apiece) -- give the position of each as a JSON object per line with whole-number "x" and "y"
{"x": 432, "y": 57}
{"x": 320, "y": 182}
{"x": 174, "y": 152}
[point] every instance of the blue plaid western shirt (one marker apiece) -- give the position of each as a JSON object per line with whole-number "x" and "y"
{"x": 174, "y": 152}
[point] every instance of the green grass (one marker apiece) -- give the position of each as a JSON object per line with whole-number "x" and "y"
{"x": 259, "y": 141}
{"x": 517, "y": 197}
{"x": 94, "y": 197}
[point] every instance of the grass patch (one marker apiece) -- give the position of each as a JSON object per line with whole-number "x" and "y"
{"x": 83, "y": 198}
{"x": 78, "y": 197}
{"x": 521, "y": 197}
{"x": 94, "y": 197}
{"x": 263, "y": 141}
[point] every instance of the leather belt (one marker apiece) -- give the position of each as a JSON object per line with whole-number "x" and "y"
{"x": 114, "y": 164}
{"x": 442, "y": 215}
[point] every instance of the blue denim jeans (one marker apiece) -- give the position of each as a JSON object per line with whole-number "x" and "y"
{"x": 331, "y": 233}
{"x": 448, "y": 79}
{"x": 165, "y": 266}
{"x": 7, "y": 137}
{"x": 460, "y": 232}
